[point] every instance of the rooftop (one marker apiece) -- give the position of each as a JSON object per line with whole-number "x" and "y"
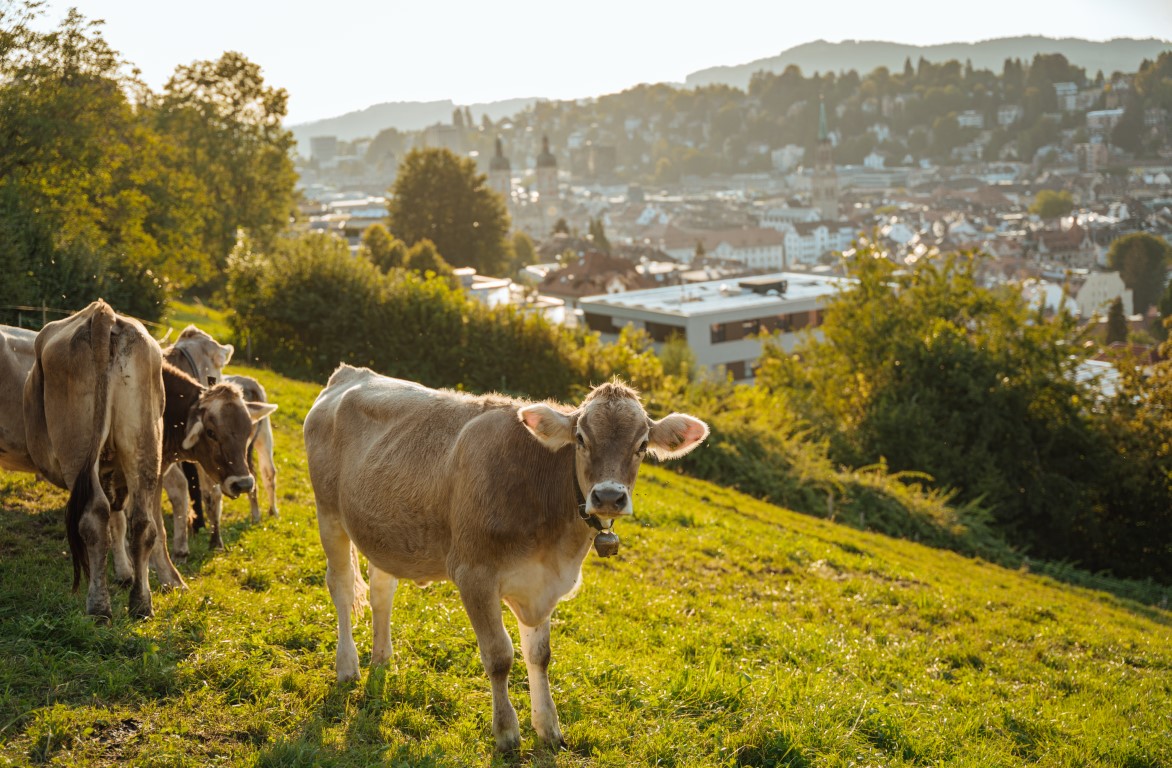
{"x": 724, "y": 295}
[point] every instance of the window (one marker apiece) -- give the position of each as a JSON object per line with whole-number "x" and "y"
{"x": 662, "y": 332}
{"x": 600, "y": 323}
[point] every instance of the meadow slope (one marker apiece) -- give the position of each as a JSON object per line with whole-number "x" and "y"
{"x": 727, "y": 632}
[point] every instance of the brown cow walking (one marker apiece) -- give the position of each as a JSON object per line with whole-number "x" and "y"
{"x": 501, "y": 496}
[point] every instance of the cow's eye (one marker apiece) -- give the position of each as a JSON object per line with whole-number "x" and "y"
{"x": 581, "y": 441}
{"x": 643, "y": 447}
{"x": 211, "y": 433}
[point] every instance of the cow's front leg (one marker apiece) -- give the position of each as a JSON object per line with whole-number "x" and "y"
{"x": 344, "y": 581}
{"x": 535, "y": 648}
{"x": 483, "y": 605}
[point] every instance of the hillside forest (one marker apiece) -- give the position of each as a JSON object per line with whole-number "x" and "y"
{"x": 931, "y": 408}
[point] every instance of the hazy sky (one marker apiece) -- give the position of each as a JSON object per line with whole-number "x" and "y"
{"x": 335, "y": 57}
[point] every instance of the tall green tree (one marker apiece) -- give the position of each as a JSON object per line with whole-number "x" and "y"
{"x": 441, "y": 197}
{"x": 228, "y": 124}
{"x": 1052, "y": 205}
{"x": 75, "y": 166}
{"x": 1116, "y": 323}
{"x": 1142, "y": 261}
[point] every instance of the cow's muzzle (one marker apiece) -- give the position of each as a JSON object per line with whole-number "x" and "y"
{"x": 237, "y": 484}
{"x": 609, "y": 499}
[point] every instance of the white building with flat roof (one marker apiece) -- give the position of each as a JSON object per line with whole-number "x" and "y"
{"x": 719, "y": 319}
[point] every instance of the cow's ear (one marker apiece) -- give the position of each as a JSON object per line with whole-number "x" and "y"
{"x": 257, "y": 411}
{"x": 674, "y": 435}
{"x": 225, "y": 355}
{"x": 194, "y": 430}
{"x": 552, "y": 428}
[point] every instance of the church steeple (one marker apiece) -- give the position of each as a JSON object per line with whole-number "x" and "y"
{"x": 824, "y": 184}
{"x": 547, "y": 177}
{"x": 500, "y": 174}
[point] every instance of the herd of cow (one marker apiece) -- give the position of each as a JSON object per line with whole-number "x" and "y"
{"x": 503, "y": 497}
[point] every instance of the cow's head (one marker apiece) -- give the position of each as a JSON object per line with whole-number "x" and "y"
{"x": 208, "y": 355}
{"x": 611, "y": 433}
{"x": 218, "y": 429}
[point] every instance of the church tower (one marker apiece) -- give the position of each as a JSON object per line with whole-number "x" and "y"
{"x": 825, "y": 181}
{"x": 500, "y": 174}
{"x": 547, "y": 176}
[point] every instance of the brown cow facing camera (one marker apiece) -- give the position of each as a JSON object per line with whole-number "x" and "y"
{"x": 501, "y": 496}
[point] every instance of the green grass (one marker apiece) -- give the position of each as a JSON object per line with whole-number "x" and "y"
{"x": 214, "y": 321}
{"x": 727, "y": 632}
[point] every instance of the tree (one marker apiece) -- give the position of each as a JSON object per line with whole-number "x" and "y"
{"x": 78, "y": 174}
{"x": 441, "y": 197}
{"x": 1116, "y": 323}
{"x": 1052, "y": 205}
{"x": 1142, "y": 261}
{"x": 931, "y": 372}
{"x": 598, "y": 235}
{"x": 1159, "y": 325}
{"x": 561, "y": 227}
{"x": 423, "y": 258}
{"x": 227, "y": 123}
{"x": 384, "y": 250}
{"x": 524, "y": 253}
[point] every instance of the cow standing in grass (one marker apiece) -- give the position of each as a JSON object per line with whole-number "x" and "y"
{"x": 102, "y": 415}
{"x": 501, "y": 496}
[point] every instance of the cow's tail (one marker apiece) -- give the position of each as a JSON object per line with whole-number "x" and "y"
{"x": 361, "y": 590}
{"x": 87, "y": 485}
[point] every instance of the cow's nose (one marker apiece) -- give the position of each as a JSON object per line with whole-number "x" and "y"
{"x": 240, "y": 485}
{"x": 614, "y": 498}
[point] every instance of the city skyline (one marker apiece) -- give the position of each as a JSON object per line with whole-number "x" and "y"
{"x": 331, "y": 61}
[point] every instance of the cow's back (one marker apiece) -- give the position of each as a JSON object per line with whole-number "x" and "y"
{"x": 383, "y": 456}
{"x": 16, "y": 360}
{"x": 59, "y": 395}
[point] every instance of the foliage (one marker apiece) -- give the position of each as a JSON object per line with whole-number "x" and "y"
{"x": 1142, "y": 261}
{"x": 384, "y": 250}
{"x": 76, "y": 221}
{"x": 524, "y": 253}
{"x": 598, "y": 235}
{"x": 227, "y": 123}
{"x": 737, "y": 633}
{"x": 930, "y": 372}
{"x": 423, "y": 258}
{"x": 1052, "y": 205}
{"x": 441, "y": 197}
{"x": 409, "y": 325}
{"x": 109, "y": 190}
{"x": 1116, "y": 323}
{"x": 1131, "y": 528}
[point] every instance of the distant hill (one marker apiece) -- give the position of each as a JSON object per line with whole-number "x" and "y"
{"x": 404, "y": 115}
{"x": 1122, "y": 55}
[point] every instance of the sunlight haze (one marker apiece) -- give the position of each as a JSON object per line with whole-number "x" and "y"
{"x": 343, "y": 56}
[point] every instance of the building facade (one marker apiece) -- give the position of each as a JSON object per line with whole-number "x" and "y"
{"x": 720, "y": 320}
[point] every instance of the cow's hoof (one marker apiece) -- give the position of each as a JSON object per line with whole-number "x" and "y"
{"x": 217, "y": 543}
{"x": 508, "y": 742}
{"x": 179, "y": 555}
{"x": 141, "y": 610}
{"x": 102, "y": 616}
{"x": 123, "y": 583}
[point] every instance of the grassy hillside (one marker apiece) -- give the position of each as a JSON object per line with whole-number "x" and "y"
{"x": 727, "y": 632}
